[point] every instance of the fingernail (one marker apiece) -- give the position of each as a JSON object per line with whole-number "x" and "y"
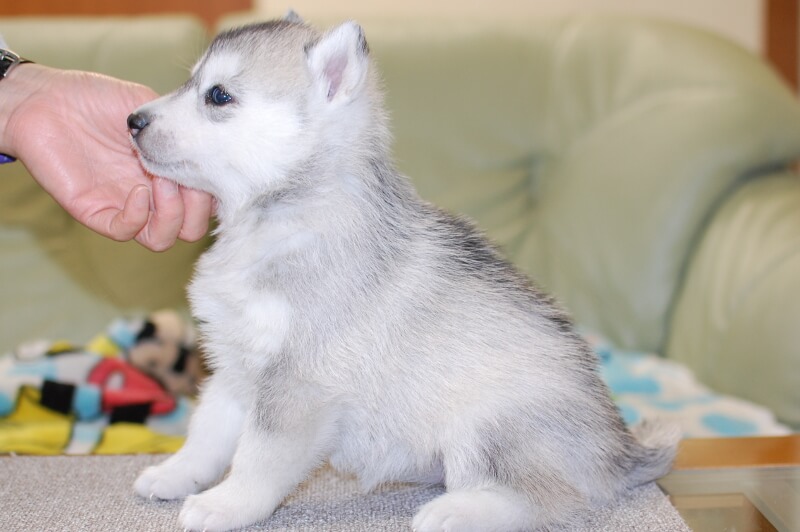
{"x": 141, "y": 199}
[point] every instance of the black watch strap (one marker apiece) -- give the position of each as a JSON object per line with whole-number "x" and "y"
{"x": 9, "y": 60}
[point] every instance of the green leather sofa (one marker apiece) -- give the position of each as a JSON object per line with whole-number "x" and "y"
{"x": 638, "y": 169}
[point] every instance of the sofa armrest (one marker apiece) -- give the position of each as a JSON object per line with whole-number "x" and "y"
{"x": 735, "y": 322}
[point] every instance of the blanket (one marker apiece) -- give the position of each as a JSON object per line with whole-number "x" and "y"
{"x": 128, "y": 390}
{"x": 648, "y": 386}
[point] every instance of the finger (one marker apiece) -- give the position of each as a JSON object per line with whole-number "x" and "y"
{"x": 166, "y": 219}
{"x": 128, "y": 222}
{"x": 197, "y": 209}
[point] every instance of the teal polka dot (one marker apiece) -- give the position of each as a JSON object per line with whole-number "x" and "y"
{"x": 6, "y": 405}
{"x": 616, "y": 371}
{"x": 87, "y": 402}
{"x": 629, "y": 414}
{"x": 729, "y": 425}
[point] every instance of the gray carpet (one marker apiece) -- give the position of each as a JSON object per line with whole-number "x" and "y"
{"x": 95, "y": 493}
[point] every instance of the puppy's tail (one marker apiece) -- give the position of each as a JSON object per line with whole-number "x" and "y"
{"x": 654, "y": 451}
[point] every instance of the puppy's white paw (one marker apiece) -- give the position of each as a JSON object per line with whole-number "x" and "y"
{"x": 223, "y": 508}
{"x": 173, "y": 479}
{"x": 443, "y": 515}
{"x": 473, "y": 511}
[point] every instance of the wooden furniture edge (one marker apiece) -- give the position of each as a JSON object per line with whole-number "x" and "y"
{"x": 717, "y": 453}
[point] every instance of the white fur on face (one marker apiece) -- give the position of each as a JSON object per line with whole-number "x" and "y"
{"x": 233, "y": 151}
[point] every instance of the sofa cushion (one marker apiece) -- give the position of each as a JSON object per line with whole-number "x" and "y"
{"x": 593, "y": 149}
{"x": 735, "y": 322}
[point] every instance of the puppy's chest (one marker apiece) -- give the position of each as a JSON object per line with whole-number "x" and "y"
{"x": 238, "y": 305}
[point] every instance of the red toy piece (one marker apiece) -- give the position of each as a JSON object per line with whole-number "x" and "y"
{"x": 135, "y": 387}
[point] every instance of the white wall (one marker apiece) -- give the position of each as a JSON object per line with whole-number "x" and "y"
{"x": 741, "y": 20}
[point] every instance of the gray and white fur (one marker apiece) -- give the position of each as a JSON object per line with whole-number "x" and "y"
{"x": 348, "y": 320}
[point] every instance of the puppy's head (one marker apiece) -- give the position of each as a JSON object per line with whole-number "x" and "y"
{"x": 261, "y": 100}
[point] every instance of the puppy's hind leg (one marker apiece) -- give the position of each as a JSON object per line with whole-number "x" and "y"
{"x": 489, "y": 509}
{"x": 207, "y": 452}
{"x": 479, "y": 497}
{"x": 500, "y": 481}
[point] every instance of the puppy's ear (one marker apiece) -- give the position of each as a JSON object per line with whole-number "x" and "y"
{"x": 292, "y": 16}
{"x": 339, "y": 62}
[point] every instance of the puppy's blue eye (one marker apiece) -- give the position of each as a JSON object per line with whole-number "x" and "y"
{"x": 216, "y": 95}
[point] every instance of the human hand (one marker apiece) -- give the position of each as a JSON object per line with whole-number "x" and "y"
{"x": 69, "y": 129}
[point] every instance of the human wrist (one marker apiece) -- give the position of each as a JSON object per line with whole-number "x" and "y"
{"x": 22, "y": 82}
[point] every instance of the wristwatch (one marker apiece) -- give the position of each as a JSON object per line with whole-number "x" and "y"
{"x": 8, "y": 61}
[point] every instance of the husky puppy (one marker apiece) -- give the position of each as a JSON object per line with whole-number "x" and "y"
{"x": 348, "y": 320}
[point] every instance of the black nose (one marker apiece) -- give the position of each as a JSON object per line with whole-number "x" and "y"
{"x": 136, "y": 123}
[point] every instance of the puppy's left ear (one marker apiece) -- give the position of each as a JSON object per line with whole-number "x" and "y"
{"x": 339, "y": 62}
{"x": 293, "y": 17}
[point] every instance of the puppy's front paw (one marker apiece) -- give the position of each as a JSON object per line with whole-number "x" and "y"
{"x": 173, "y": 479}
{"x": 222, "y": 508}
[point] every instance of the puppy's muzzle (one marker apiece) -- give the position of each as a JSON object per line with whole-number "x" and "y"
{"x": 136, "y": 123}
